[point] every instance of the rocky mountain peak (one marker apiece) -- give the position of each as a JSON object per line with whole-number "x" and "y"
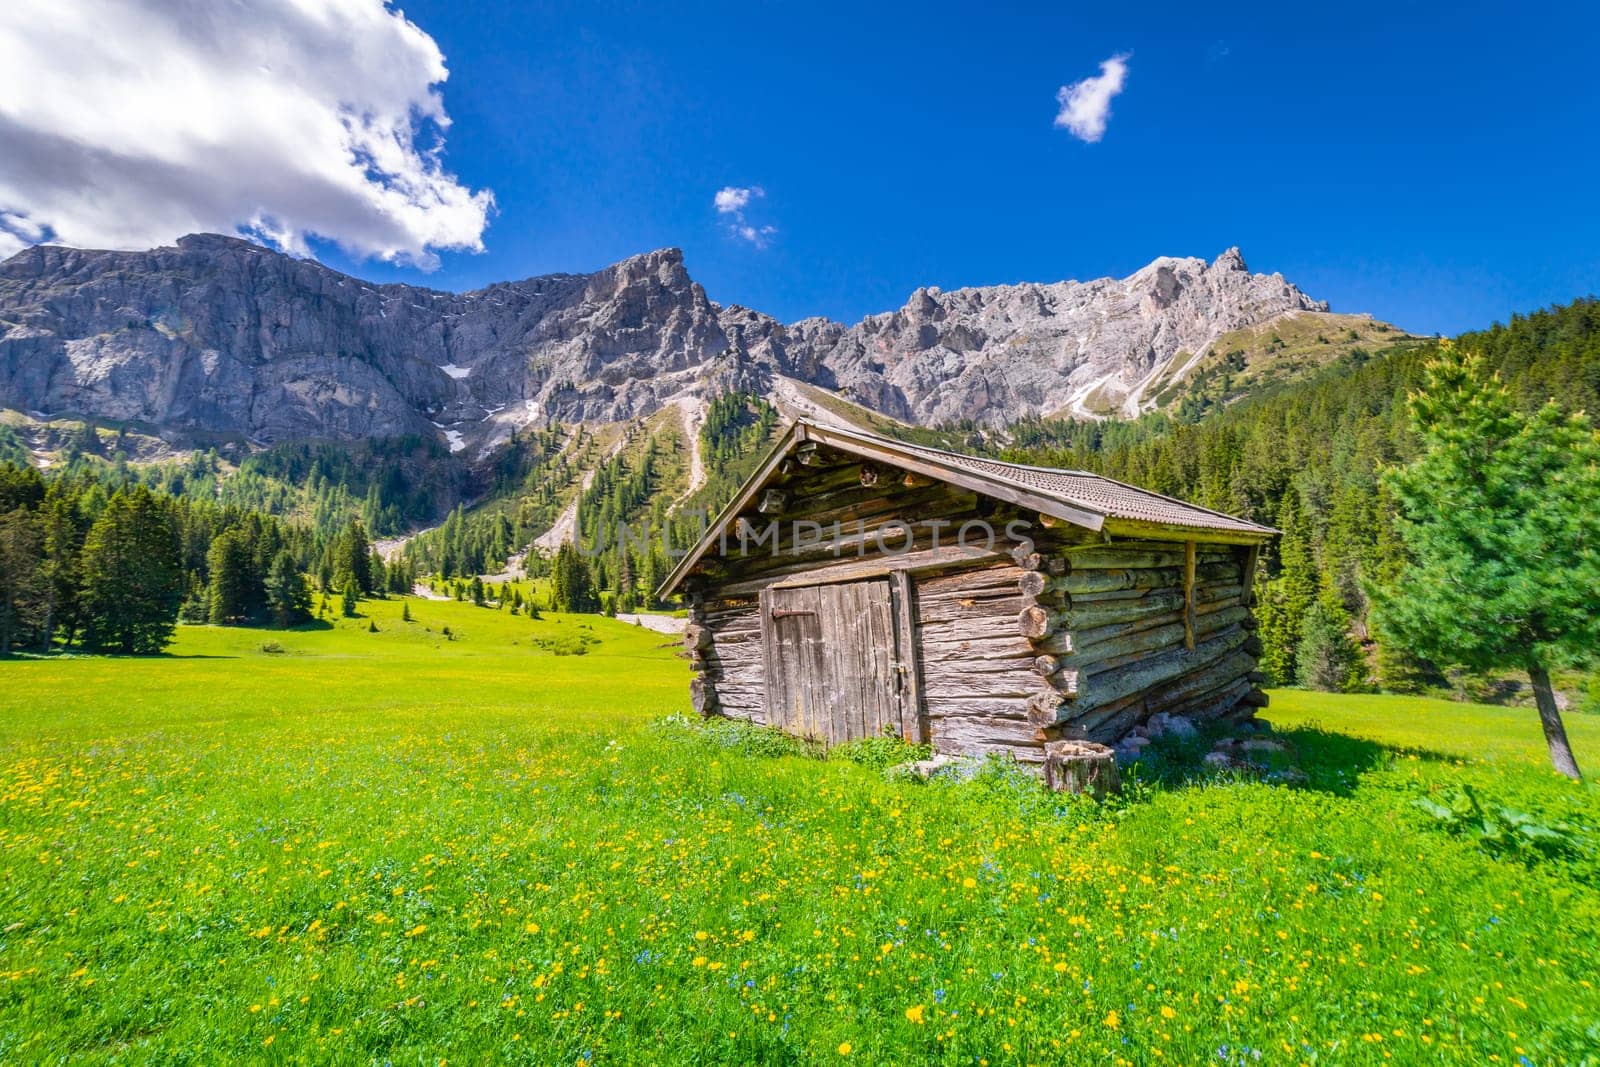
{"x": 1231, "y": 260}
{"x": 216, "y": 335}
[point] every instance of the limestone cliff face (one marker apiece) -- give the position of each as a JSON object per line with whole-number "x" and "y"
{"x": 1087, "y": 349}
{"x": 217, "y": 336}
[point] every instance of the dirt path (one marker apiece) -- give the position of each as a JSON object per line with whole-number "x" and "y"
{"x": 661, "y": 624}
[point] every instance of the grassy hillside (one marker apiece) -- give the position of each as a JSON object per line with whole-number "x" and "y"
{"x": 1258, "y": 360}
{"x": 334, "y": 845}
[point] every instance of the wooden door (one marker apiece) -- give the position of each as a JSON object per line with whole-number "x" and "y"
{"x": 837, "y": 665}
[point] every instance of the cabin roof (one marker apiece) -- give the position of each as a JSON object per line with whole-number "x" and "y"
{"x": 1092, "y": 501}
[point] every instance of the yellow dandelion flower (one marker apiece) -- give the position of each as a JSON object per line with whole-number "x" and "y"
{"x": 915, "y": 1014}
{"x": 844, "y": 1048}
{"x": 1113, "y": 1020}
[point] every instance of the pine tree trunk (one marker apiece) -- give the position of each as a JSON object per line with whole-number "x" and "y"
{"x": 1555, "y": 734}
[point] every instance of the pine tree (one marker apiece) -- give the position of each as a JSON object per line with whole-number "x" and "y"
{"x": 132, "y": 578}
{"x": 1328, "y": 657}
{"x": 571, "y": 583}
{"x": 1399, "y": 670}
{"x": 196, "y": 605}
{"x": 354, "y": 559}
{"x": 405, "y": 612}
{"x": 63, "y": 542}
{"x": 22, "y": 586}
{"x": 229, "y": 593}
{"x": 1289, "y": 596}
{"x": 1277, "y": 654}
{"x": 1500, "y": 515}
{"x": 288, "y": 596}
{"x": 348, "y": 597}
{"x": 377, "y": 576}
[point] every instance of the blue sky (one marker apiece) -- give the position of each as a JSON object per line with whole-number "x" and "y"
{"x": 1432, "y": 164}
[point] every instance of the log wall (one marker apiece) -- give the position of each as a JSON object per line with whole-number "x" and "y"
{"x": 1068, "y": 636}
{"x": 1127, "y": 629}
{"x": 977, "y": 670}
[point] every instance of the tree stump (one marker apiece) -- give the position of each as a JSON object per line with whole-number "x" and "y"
{"x": 1080, "y": 767}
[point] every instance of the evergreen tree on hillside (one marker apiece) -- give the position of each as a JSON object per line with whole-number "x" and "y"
{"x": 1328, "y": 657}
{"x": 288, "y": 596}
{"x": 196, "y": 604}
{"x": 20, "y": 487}
{"x": 63, "y": 542}
{"x": 231, "y": 592}
{"x": 132, "y": 580}
{"x": 1500, "y": 516}
{"x": 22, "y": 588}
{"x": 1398, "y": 668}
{"x": 1289, "y": 596}
{"x": 571, "y": 583}
{"x": 355, "y": 556}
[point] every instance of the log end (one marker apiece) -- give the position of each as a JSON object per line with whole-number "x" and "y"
{"x": 1047, "y": 709}
{"x": 1035, "y": 622}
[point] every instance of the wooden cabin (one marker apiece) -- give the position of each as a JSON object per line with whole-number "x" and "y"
{"x": 858, "y": 584}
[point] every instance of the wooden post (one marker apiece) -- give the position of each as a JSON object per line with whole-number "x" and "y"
{"x": 909, "y": 665}
{"x": 1188, "y": 594}
{"x": 1080, "y": 767}
{"x": 1251, "y": 555}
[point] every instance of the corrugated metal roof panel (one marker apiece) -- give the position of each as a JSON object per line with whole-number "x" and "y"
{"x": 1083, "y": 489}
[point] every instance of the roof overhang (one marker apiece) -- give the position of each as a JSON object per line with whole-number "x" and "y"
{"x": 930, "y": 464}
{"x": 878, "y": 450}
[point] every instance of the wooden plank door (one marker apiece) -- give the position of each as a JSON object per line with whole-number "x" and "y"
{"x": 838, "y": 666}
{"x": 796, "y": 674}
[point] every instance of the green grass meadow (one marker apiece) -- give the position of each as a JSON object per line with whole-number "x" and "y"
{"x": 332, "y": 845}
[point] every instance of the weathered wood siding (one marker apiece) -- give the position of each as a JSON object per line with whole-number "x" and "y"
{"x": 952, "y": 595}
{"x": 1081, "y": 637}
{"x": 732, "y": 664}
{"x": 1128, "y": 629}
{"x": 977, "y": 670}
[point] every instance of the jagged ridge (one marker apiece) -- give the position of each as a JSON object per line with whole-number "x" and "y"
{"x": 217, "y": 336}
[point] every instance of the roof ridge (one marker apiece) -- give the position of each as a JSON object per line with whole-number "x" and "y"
{"x": 1093, "y": 506}
{"x": 957, "y": 455}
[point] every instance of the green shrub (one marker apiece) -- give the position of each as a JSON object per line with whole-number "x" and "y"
{"x": 881, "y": 752}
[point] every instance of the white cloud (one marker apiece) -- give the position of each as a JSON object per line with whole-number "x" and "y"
{"x": 732, "y": 200}
{"x": 1086, "y": 105}
{"x": 128, "y": 123}
{"x": 756, "y": 235}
